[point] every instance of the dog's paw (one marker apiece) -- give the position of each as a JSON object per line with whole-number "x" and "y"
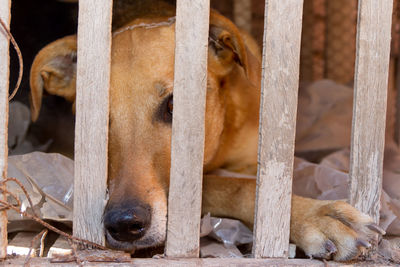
{"x": 332, "y": 229}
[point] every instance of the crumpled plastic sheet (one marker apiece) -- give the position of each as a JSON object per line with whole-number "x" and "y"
{"x": 48, "y": 178}
{"x": 389, "y": 249}
{"x": 229, "y": 232}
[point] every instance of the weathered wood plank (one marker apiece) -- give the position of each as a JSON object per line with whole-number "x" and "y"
{"x": 92, "y": 106}
{"x": 4, "y": 82}
{"x": 187, "y": 144}
{"x": 397, "y": 107}
{"x": 369, "y": 111}
{"x": 242, "y": 14}
{"x": 281, "y": 53}
{"x": 209, "y": 262}
{"x": 60, "y": 247}
{"x": 21, "y": 245}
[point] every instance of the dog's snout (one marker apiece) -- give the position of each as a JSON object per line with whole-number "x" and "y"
{"x": 127, "y": 224}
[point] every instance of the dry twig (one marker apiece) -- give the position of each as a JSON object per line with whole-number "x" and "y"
{"x": 21, "y": 63}
{"x": 75, "y": 253}
{"x": 41, "y": 235}
{"x": 15, "y": 180}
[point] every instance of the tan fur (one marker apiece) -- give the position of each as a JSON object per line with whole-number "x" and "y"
{"x": 139, "y": 146}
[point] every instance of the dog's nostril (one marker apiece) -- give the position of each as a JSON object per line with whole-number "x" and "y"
{"x": 112, "y": 230}
{"x": 125, "y": 230}
{"x": 127, "y": 224}
{"x": 137, "y": 228}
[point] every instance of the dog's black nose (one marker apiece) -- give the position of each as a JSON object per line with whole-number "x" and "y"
{"x": 127, "y": 223}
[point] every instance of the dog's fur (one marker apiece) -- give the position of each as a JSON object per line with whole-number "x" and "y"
{"x": 140, "y": 132}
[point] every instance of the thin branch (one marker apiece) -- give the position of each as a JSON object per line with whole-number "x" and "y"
{"x": 20, "y": 60}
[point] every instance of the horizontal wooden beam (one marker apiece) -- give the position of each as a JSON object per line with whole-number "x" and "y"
{"x": 209, "y": 262}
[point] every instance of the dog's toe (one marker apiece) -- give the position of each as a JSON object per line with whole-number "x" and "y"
{"x": 316, "y": 245}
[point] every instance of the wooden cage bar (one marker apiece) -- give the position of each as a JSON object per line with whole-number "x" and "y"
{"x": 210, "y": 262}
{"x": 187, "y": 143}
{"x": 279, "y": 87}
{"x": 369, "y": 110}
{"x": 4, "y": 83}
{"x": 92, "y": 108}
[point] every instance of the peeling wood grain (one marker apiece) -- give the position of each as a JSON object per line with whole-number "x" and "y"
{"x": 4, "y": 83}
{"x": 369, "y": 111}
{"x": 281, "y": 54}
{"x": 187, "y": 144}
{"x": 92, "y": 107}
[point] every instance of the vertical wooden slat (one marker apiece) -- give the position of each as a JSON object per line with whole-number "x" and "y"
{"x": 369, "y": 112}
{"x": 397, "y": 107}
{"x": 91, "y": 131}
{"x": 184, "y": 201}
{"x": 5, "y": 6}
{"x": 281, "y": 53}
{"x": 395, "y": 58}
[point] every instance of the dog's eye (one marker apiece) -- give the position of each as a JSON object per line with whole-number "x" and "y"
{"x": 170, "y": 105}
{"x": 164, "y": 111}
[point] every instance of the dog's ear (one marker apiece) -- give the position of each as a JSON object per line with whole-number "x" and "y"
{"x": 226, "y": 46}
{"x": 53, "y": 70}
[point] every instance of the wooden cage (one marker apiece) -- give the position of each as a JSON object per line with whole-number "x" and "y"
{"x": 280, "y": 77}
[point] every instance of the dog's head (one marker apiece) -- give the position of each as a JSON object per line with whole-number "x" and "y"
{"x": 141, "y": 106}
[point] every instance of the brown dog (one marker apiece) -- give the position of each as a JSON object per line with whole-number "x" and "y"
{"x": 140, "y": 134}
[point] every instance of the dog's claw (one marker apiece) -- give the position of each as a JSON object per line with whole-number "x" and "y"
{"x": 374, "y": 227}
{"x": 363, "y": 243}
{"x": 330, "y": 247}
